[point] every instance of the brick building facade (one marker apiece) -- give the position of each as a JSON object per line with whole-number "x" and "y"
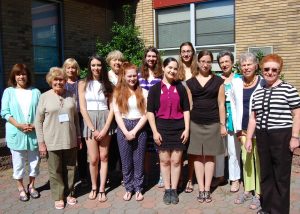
{"x": 268, "y": 24}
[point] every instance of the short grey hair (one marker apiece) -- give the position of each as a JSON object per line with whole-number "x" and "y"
{"x": 248, "y": 56}
{"x": 225, "y": 53}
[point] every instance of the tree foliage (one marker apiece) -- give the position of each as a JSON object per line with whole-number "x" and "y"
{"x": 125, "y": 38}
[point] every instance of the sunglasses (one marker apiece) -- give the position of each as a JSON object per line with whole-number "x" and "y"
{"x": 274, "y": 70}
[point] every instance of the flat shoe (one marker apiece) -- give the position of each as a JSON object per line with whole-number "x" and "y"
{"x": 59, "y": 205}
{"x": 23, "y": 197}
{"x": 93, "y": 194}
{"x": 127, "y": 196}
{"x": 235, "y": 186}
{"x": 33, "y": 192}
{"x": 102, "y": 197}
{"x": 71, "y": 200}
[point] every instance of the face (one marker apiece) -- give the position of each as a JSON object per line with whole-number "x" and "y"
{"x": 21, "y": 80}
{"x": 226, "y": 64}
{"x": 248, "y": 68}
{"x": 115, "y": 65}
{"x": 151, "y": 59}
{"x": 204, "y": 64}
{"x": 271, "y": 72}
{"x": 71, "y": 71}
{"x": 170, "y": 71}
{"x": 58, "y": 83}
{"x": 96, "y": 68}
{"x": 131, "y": 77}
{"x": 186, "y": 53}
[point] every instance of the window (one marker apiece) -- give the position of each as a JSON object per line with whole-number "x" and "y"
{"x": 46, "y": 35}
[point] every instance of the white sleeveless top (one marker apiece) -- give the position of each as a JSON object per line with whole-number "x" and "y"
{"x": 94, "y": 96}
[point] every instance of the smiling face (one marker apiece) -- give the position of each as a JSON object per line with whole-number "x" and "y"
{"x": 226, "y": 64}
{"x": 96, "y": 68}
{"x": 131, "y": 77}
{"x": 58, "y": 84}
{"x": 151, "y": 59}
{"x": 186, "y": 53}
{"x": 115, "y": 65}
{"x": 204, "y": 64}
{"x": 271, "y": 72}
{"x": 170, "y": 71}
{"x": 248, "y": 68}
{"x": 21, "y": 80}
{"x": 71, "y": 71}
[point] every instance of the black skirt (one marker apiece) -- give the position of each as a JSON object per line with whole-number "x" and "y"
{"x": 170, "y": 131}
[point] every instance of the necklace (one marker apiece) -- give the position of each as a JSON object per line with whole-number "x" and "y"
{"x": 250, "y": 83}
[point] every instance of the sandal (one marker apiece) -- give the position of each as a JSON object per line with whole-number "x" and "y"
{"x": 59, "y": 205}
{"x": 23, "y": 195}
{"x": 201, "y": 197}
{"x": 255, "y": 203}
{"x": 243, "y": 197}
{"x": 32, "y": 192}
{"x": 160, "y": 183}
{"x": 127, "y": 196}
{"x": 139, "y": 196}
{"x": 71, "y": 200}
{"x": 207, "y": 197}
{"x": 235, "y": 186}
{"x": 102, "y": 197}
{"x": 93, "y": 194}
{"x": 189, "y": 187}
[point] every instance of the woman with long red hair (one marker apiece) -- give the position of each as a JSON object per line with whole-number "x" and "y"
{"x": 129, "y": 104}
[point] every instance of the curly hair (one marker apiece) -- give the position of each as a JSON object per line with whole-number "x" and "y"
{"x": 122, "y": 92}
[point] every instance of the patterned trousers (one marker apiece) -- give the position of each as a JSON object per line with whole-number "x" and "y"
{"x": 132, "y": 156}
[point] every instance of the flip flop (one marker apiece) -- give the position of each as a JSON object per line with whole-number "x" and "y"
{"x": 23, "y": 197}
{"x": 189, "y": 187}
{"x": 71, "y": 200}
{"x": 139, "y": 196}
{"x": 59, "y": 205}
{"x": 127, "y": 196}
{"x": 102, "y": 197}
{"x": 93, "y": 194}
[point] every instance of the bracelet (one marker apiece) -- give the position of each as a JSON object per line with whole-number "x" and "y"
{"x": 295, "y": 137}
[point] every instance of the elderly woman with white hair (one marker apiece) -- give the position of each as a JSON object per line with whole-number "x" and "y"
{"x": 58, "y": 135}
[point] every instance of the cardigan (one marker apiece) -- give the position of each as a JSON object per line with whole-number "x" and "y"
{"x": 153, "y": 102}
{"x": 15, "y": 138}
{"x": 55, "y": 134}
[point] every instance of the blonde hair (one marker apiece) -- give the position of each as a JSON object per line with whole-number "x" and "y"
{"x": 114, "y": 55}
{"x": 72, "y": 62}
{"x": 53, "y": 73}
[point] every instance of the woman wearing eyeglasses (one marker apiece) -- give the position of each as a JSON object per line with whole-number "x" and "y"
{"x": 243, "y": 90}
{"x": 275, "y": 119}
{"x": 207, "y": 122}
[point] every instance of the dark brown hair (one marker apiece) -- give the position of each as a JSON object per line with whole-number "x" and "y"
{"x": 157, "y": 70}
{"x": 18, "y": 69}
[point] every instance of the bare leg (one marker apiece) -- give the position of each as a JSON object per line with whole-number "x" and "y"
{"x": 199, "y": 171}
{"x": 93, "y": 152}
{"x": 165, "y": 167}
{"x": 209, "y": 166}
{"x": 103, "y": 153}
{"x": 175, "y": 168}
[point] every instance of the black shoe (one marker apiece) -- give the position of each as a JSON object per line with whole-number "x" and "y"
{"x": 174, "y": 196}
{"x": 167, "y": 197}
{"x": 262, "y": 212}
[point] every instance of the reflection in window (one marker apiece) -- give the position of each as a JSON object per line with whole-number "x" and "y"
{"x": 46, "y": 35}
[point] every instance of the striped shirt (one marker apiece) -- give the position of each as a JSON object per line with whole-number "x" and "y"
{"x": 273, "y": 106}
{"x": 145, "y": 84}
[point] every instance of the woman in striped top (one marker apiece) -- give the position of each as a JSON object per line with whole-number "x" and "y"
{"x": 275, "y": 118}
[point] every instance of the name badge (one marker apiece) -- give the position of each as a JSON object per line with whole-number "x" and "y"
{"x": 63, "y": 118}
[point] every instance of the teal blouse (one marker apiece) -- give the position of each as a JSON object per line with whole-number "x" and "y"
{"x": 16, "y": 139}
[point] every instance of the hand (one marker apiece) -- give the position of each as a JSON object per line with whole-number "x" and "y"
{"x": 42, "y": 149}
{"x": 133, "y": 133}
{"x": 23, "y": 127}
{"x": 101, "y": 134}
{"x": 129, "y": 136}
{"x": 79, "y": 143}
{"x": 157, "y": 138}
{"x": 96, "y": 135}
{"x": 223, "y": 131}
{"x": 30, "y": 127}
{"x": 248, "y": 145}
{"x": 294, "y": 143}
{"x": 185, "y": 136}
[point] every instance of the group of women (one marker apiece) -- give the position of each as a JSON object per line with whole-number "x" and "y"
{"x": 169, "y": 107}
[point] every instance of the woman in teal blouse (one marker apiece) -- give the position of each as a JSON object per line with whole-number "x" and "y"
{"x": 19, "y": 104}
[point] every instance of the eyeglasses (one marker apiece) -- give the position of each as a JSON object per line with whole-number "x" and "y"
{"x": 274, "y": 70}
{"x": 205, "y": 62}
{"x": 187, "y": 52}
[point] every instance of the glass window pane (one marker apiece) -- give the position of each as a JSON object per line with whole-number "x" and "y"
{"x": 173, "y": 26}
{"x": 44, "y": 58}
{"x": 215, "y": 23}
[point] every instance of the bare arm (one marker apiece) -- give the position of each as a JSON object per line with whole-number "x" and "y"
{"x": 250, "y": 132}
{"x": 294, "y": 142}
{"x": 82, "y": 103}
{"x": 222, "y": 111}
{"x": 189, "y": 93}
{"x": 186, "y": 132}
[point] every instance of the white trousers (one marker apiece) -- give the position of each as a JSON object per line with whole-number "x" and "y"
{"x": 19, "y": 158}
{"x": 233, "y": 151}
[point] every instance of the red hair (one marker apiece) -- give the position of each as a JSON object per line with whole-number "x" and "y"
{"x": 122, "y": 92}
{"x": 271, "y": 58}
